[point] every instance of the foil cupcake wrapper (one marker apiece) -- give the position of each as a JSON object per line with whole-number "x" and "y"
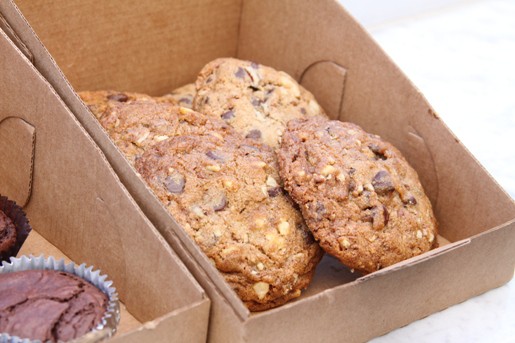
{"x": 23, "y": 228}
{"x": 107, "y": 326}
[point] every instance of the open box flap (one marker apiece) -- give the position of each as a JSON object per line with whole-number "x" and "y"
{"x": 377, "y": 304}
{"x": 78, "y": 202}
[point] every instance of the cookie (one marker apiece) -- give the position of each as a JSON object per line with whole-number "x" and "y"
{"x": 256, "y": 100}
{"x": 182, "y": 96}
{"x": 98, "y": 101}
{"x": 227, "y": 195}
{"x": 360, "y": 198}
{"x": 135, "y": 125}
{"x": 139, "y": 123}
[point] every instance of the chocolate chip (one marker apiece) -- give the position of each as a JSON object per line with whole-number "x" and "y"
{"x": 320, "y": 210}
{"x": 368, "y": 215}
{"x": 254, "y": 88}
{"x": 220, "y": 203}
{"x": 378, "y": 152}
{"x": 254, "y": 134}
{"x": 382, "y": 183}
{"x": 120, "y": 97}
{"x": 378, "y": 216}
{"x": 410, "y": 200}
{"x": 240, "y": 73}
{"x": 249, "y": 147}
{"x": 303, "y": 110}
{"x": 254, "y": 65}
{"x": 319, "y": 178}
{"x": 228, "y": 115}
{"x": 352, "y": 171}
{"x": 352, "y": 185}
{"x": 185, "y": 100}
{"x": 175, "y": 184}
{"x": 209, "y": 79}
{"x": 214, "y": 156}
{"x": 386, "y": 215}
{"x": 273, "y": 192}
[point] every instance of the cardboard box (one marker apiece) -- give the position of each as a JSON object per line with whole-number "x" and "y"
{"x": 152, "y": 47}
{"x": 73, "y": 199}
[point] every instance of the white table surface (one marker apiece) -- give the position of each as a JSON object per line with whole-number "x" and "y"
{"x": 462, "y": 58}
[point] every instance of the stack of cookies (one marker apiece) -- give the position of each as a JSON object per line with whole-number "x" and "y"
{"x": 251, "y": 167}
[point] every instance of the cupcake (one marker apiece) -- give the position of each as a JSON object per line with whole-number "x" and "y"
{"x": 14, "y": 228}
{"x": 48, "y": 300}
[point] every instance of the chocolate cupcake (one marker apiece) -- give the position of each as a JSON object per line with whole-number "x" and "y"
{"x": 14, "y": 228}
{"x": 47, "y": 300}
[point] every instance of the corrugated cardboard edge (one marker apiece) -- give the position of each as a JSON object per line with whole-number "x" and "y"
{"x": 4, "y": 25}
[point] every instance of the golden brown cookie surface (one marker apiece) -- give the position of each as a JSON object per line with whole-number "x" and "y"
{"x": 227, "y": 195}
{"x": 99, "y": 101}
{"x": 359, "y": 196}
{"x": 256, "y": 100}
{"x": 182, "y": 96}
{"x": 136, "y": 121}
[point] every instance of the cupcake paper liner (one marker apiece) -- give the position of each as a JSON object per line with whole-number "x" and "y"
{"x": 18, "y": 217}
{"x": 107, "y": 326}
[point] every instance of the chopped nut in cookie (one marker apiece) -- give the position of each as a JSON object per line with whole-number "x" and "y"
{"x": 261, "y": 289}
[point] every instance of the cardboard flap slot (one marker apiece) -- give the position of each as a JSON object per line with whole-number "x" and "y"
{"x": 420, "y": 157}
{"x": 326, "y": 80}
{"x": 17, "y": 139}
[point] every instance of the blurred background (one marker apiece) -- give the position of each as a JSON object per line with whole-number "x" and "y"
{"x": 461, "y": 55}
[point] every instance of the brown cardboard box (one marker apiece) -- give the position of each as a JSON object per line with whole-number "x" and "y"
{"x": 152, "y": 47}
{"x": 51, "y": 167}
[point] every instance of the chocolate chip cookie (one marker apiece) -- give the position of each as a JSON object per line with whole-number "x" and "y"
{"x": 139, "y": 121}
{"x": 98, "y": 101}
{"x": 182, "y": 96}
{"x": 360, "y": 197}
{"x": 256, "y": 100}
{"x": 226, "y": 193}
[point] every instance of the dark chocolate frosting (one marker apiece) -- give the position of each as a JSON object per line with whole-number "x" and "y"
{"x": 49, "y": 305}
